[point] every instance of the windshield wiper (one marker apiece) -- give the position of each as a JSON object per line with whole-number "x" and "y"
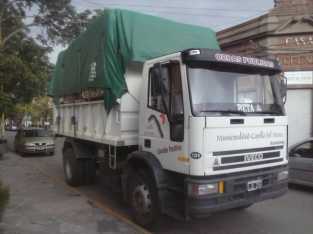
{"x": 227, "y": 112}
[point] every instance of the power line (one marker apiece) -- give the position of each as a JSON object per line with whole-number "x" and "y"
{"x": 103, "y": 3}
{"x": 240, "y": 19}
{"x": 170, "y": 12}
{"x": 245, "y": 19}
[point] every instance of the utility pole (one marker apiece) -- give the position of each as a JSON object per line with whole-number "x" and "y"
{"x": 2, "y": 89}
{"x": 2, "y": 117}
{"x": 2, "y": 140}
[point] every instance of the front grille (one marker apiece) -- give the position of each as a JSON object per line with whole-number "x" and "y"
{"x": 248, "y": 164}
{"x": 242, "y": 151}
{"x": 232, "y": 159}
{"x": 241, "y": 158}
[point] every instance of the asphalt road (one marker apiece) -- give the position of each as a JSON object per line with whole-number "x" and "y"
{"x": 290, "y": 214}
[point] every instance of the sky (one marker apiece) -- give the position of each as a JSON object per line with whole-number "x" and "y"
{"x": 216, "y": 14}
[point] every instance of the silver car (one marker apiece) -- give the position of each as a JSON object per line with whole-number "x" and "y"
{"x": 34, "y": 140}
{"x": 301, "y": 163}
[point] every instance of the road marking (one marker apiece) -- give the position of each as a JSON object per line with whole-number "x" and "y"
{"x": 97, "y": 203}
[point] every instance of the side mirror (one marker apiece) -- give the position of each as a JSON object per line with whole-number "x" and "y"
{"x": 283, "y": 88}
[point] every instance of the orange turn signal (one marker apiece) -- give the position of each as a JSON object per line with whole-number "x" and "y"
{"x": 221, "y": 187}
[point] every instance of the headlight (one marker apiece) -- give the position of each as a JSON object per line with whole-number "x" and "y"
{"x": 283, "y": 175}
{"x": 202, "y": 189}
{"x": 29, "y": 144}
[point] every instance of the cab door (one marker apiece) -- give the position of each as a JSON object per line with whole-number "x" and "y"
{"x": 163, "y": 120}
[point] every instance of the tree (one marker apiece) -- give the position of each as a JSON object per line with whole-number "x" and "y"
{"x": 40, "y": 110}
{"x": 58, "y": 20}
{"x": 24, "y": 65}
{"x": 23, "y": 75}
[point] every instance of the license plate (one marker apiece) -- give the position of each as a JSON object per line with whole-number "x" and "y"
{"x": 41, "y": 147}
{"x": 254, "y": 185}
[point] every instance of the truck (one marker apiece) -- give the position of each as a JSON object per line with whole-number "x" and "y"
{"x": 176, "y": 125}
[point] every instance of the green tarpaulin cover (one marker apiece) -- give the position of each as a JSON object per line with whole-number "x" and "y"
{"x": 99, "y": 56}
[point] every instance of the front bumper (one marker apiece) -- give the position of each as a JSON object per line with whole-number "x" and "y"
{"x": 235, "y": 192}
{"x": 38, "y": 150}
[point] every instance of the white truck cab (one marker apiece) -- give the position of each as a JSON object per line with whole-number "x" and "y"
{"x": 199, "y": 131}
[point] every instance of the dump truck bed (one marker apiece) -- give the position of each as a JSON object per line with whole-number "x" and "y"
{"x": 89, "y": 120}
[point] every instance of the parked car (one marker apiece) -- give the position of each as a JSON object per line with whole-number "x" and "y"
{"x": 10, "y": 128}
{"x": 301, "y": 163}
{"x": 34, "y": 140}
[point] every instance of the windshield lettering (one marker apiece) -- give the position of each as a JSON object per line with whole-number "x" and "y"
{"x": 245, "y": 107}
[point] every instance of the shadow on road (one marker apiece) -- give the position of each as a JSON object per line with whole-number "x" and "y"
{"x": 35, "y": 155}
{"x": 301, "y": 188}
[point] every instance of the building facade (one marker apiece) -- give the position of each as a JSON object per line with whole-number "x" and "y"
{"x": 285, "y": 33}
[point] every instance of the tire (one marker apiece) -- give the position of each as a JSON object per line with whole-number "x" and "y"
{"x": 78, "y": 171}
{"x": 143, "y": 198}
{"x": 22, "y": 154}
{"x": 243, "y": 207}
{"x": 20, "y": 151}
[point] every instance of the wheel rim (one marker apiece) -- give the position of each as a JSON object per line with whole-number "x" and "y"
{"x": 68, "y": 170}
{"x": 141, "y": 200}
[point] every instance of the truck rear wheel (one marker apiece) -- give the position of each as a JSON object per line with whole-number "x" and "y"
{"x": 143, "y": 198}
{"x": 78, "y": 171}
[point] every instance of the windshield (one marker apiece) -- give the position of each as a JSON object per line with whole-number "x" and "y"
{"x": 219, "y": 92}
{"x": 36, "y": 133}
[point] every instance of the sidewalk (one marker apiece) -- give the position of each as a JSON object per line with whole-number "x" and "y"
{"x": 39, "y": 205}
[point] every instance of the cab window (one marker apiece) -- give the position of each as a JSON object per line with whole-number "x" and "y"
{"x": 159, "y": 89}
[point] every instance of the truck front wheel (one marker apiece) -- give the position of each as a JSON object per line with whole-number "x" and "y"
{"x": 143, "y": 198}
